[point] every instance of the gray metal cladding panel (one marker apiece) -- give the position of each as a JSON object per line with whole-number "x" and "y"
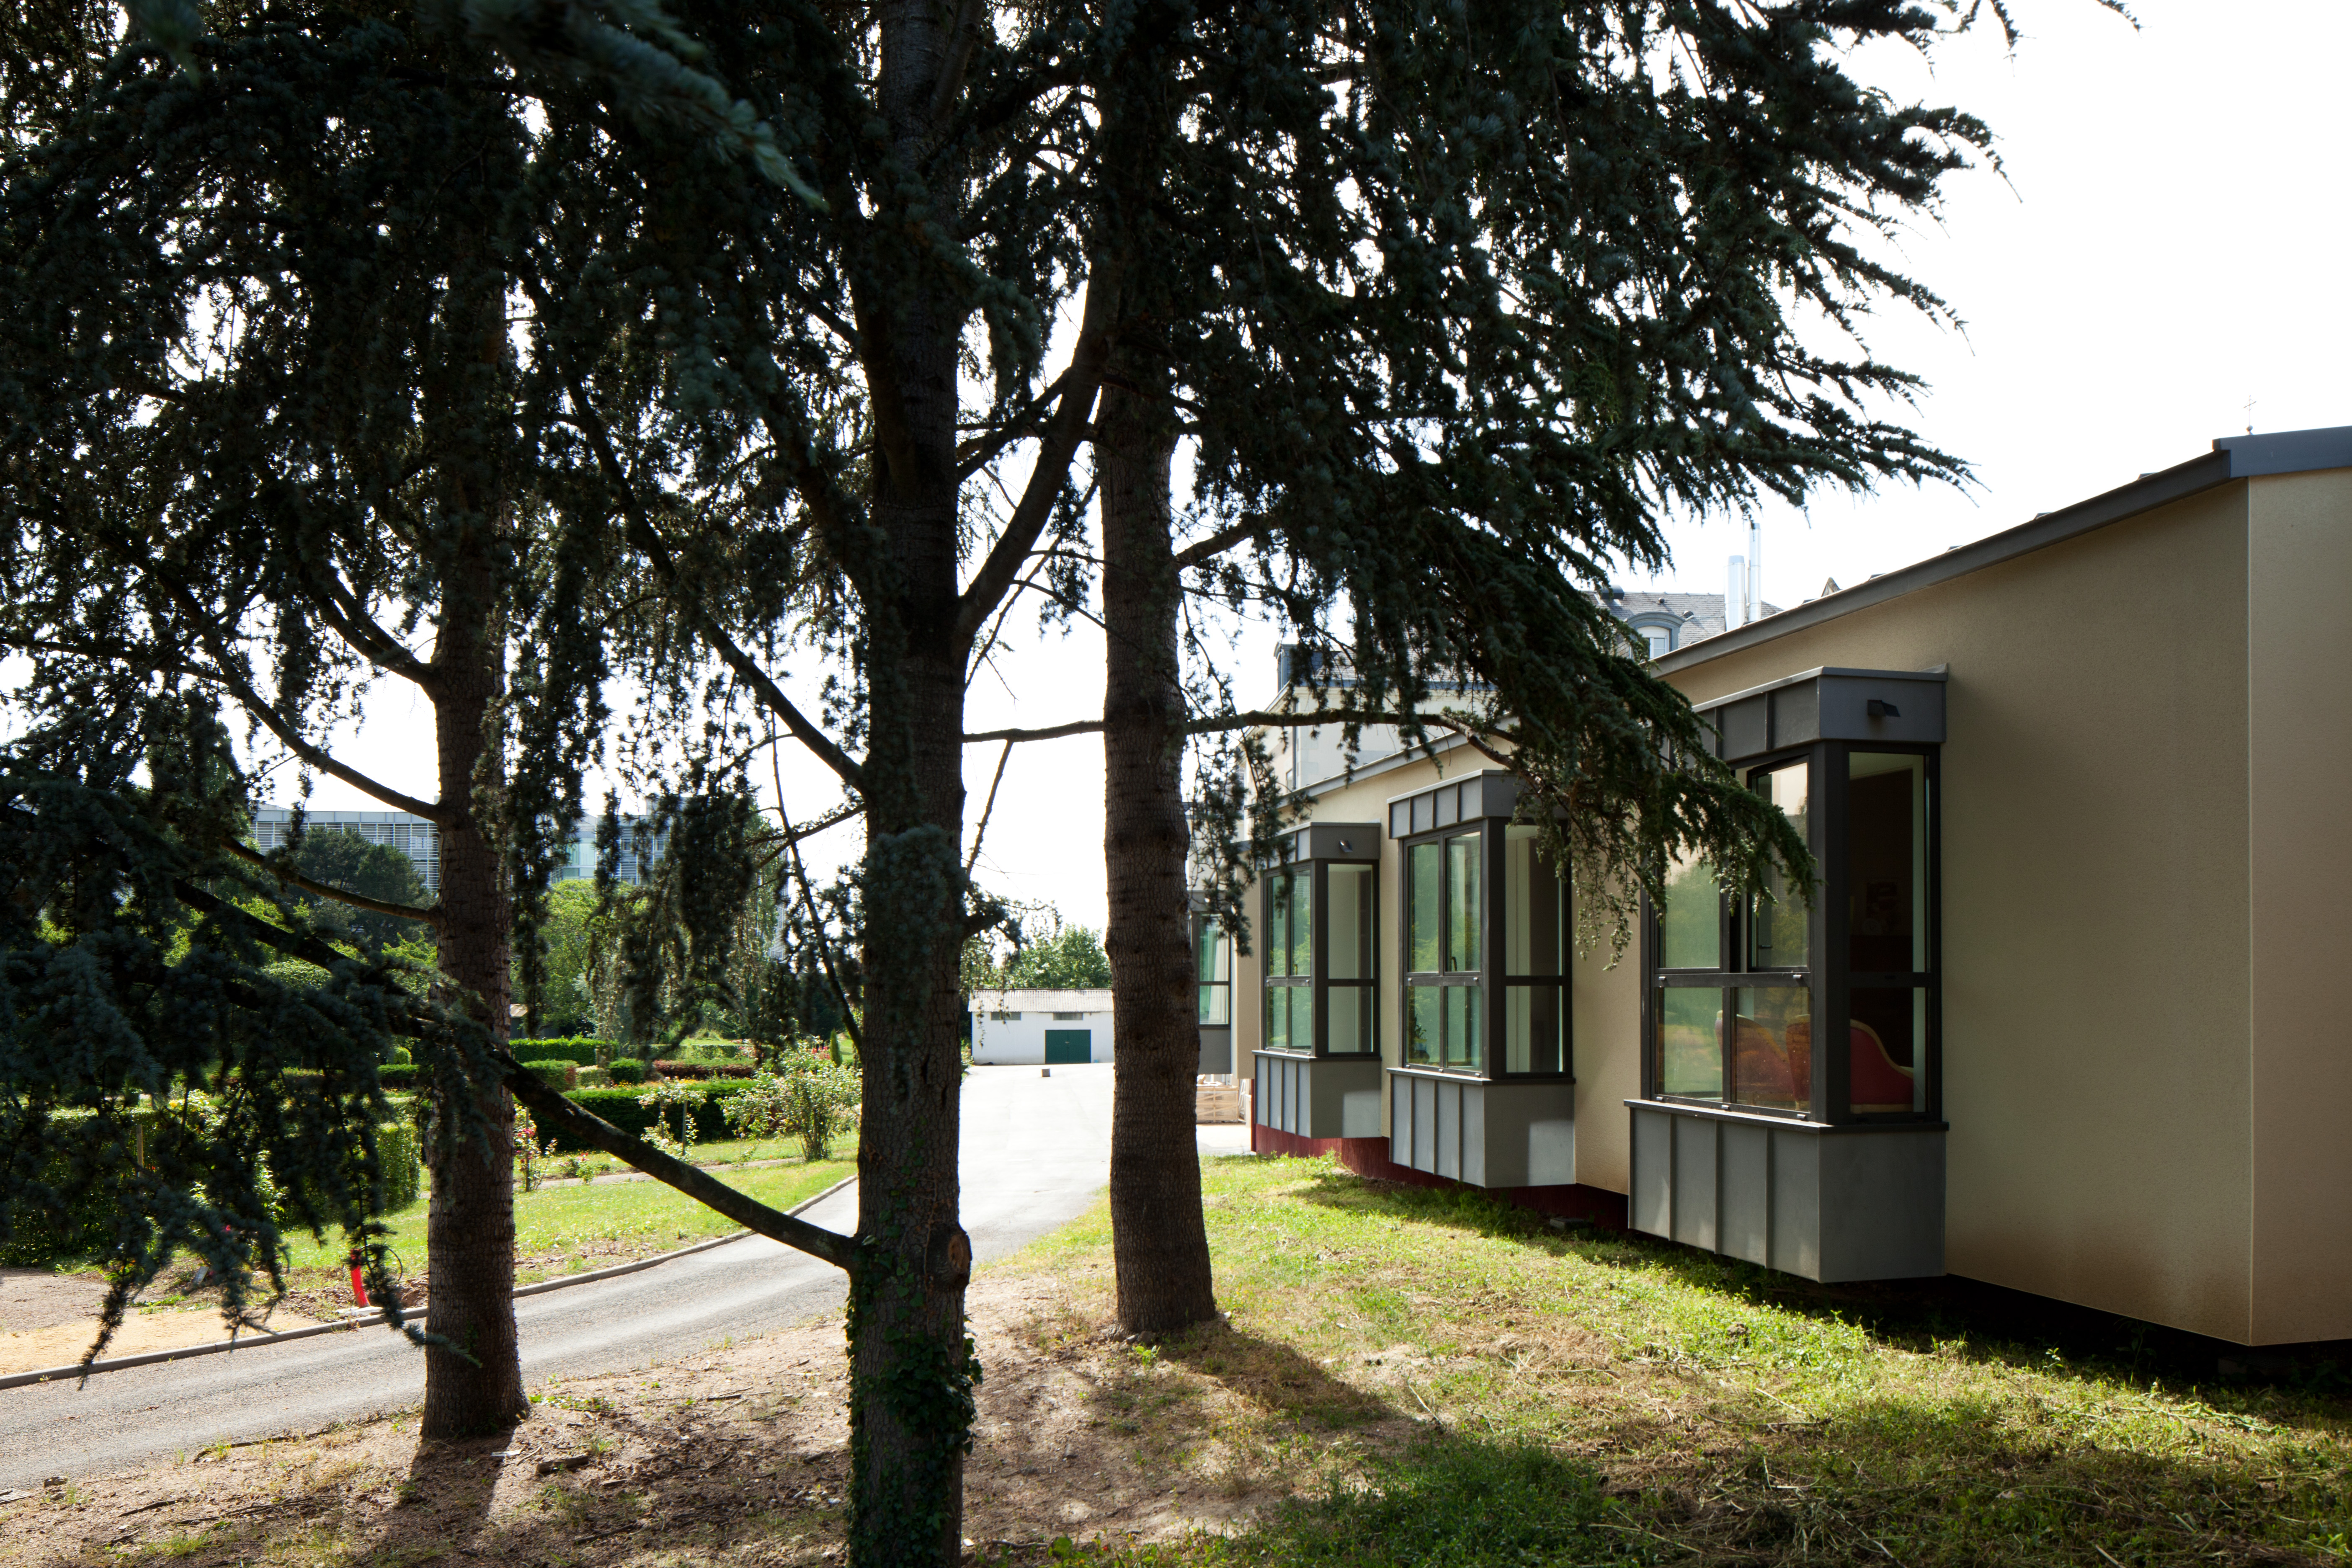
{"x": 1795, "y": 715}
{"x": 1475, "y": 1098}
{"x": 1882, "y": 1213}
{"x": 1551, "y": 1143}
{"x": 1446, "y": 1147}
{"x": 1797, "y": 1202}
{"x": 1694, "y": 1151}
{"x": 1359, "y": 1113}
{"x": 1424, "y": 1125}
{"x": 1261, "y": 1100}
{"x": 1745, "y": 726}
{"x": 1217, "y": 1050}
{"x": 1745, "y": 1225}
{"x": 1649, "y": 1203}
{"x": 1845, "y": 708}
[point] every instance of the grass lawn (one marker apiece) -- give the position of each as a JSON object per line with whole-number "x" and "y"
{"x": 564, "y": 1230}
{"x": 1579, "y": 1398}
{"x": 717, "y": 1152}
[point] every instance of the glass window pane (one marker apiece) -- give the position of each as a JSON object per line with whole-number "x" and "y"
{"x": 1216, "y": 953}
{"x": 1886, "y": 1049}
{"x": 1463, "y": 908}
{"x": 1278, "y": 923}
{"x": 1690, "y": 924}
{"x": 1424, "y": 949}
{"x": 1216, "y": 1004}
{"x": 1772, "y": 1047}
{"x": 1690, "y": 1058}
{"x": 1277, "y": 1017}
{"x": 1777, "y": 934}
{"x": 1302, "y": 920}
{"x": 1531, "y": 1021}
{"x": 1462, "y": 1006}
{"x": 1424, "y": 1025}
{"x": 1348, "y": 921}
{"x": 1531, "y": 906}
{"x": 1349, "y": 1020}
{"x": 1887, "y": 845}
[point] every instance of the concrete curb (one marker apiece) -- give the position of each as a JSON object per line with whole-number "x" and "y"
{"x": 121, "y": 1364}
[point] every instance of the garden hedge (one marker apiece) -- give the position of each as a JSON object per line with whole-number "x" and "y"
{"x": 88, "y": 1227}
{"x": 556, "y": 1072}
{"x": 620, "y": 1107}
{"x": 579, "y": 1050}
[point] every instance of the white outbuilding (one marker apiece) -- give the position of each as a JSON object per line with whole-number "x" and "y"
{"x": 1046, "y": 1027}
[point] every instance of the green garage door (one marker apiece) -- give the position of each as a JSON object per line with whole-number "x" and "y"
{"x": 1069, "y": 1046}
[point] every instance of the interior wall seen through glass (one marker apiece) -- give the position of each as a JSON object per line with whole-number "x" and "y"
{"x": 1464, "y": 907}
{"x": 1887, "y": 847}
{"x": 1424, "y": 1024}
{"x": 1348, "y": 1019}
{"x": 1533, "y": 907}
{"x": 1689, "y": 1047}
{"x": 1215, "y": 957}
{"x": 1464, "y": 1007}
{"x": 1772, "y": 1047}
{"x": 1776, "y": 932}
{"x": 1290, "y": 923}
{"x": 1425, "y": 908}
{"x": 1690, "y": 922}
{"x": 1289, "y": 1018}
{"x": 1887, "y": 1050}
{"x": 1534, "y": 1029}
{"x": 1348, "y": 923}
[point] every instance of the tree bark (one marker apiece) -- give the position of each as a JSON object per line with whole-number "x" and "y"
{"x": 912, "y": 1370}
{"x": 1160, "y": 1238}
{"x": 470, "y": 1227}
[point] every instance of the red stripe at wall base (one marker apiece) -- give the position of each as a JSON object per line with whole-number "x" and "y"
{"x": 1369, "y": 1157}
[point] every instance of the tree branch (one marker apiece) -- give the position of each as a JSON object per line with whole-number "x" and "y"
{"x": 1217, "y": 544}
{"x": 643, "y": 535}
{"x": 432, "y": 916}
{"x": 1257, "y": 720}
{"x": 550, "y": 1111}
{"x": 1063, "y": 434}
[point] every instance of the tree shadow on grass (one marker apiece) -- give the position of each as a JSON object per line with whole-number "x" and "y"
{"x": 1990, "y": 1322}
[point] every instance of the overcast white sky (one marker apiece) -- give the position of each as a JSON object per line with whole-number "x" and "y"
{"x": 2169, "y": 242}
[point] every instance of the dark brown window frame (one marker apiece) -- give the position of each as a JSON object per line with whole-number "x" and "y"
{"x": 1319, "y": 982}
{"x": 1494, "y": 980}
{"x": 1829, "y": 979}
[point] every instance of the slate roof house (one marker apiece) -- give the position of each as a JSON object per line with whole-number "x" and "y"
{"x": 2067, "y": 1013}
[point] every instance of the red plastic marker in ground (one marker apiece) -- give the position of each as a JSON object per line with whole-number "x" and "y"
{"x": 359, "y": 1290}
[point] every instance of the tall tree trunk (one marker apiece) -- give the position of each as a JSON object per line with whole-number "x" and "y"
{"x": 470, "y": 1227}
{"x": 912, "y": 1370}
{"x": 1160, "y": 1238}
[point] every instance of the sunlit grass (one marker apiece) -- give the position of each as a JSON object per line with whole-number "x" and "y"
{"x": 1621, "y": 1397}
{"x": 597, "y": 1221}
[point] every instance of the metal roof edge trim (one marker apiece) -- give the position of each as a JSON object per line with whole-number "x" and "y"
{"x": 1932, "y": 672}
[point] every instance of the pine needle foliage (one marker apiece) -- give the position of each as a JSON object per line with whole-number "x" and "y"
{"x": 152, "y": 1070}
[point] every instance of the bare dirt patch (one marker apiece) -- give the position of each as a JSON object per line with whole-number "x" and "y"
{"x": 734, "y": 1454}
{"x": 51, "y": 1319}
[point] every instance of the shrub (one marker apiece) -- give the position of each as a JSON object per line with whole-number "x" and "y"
{"x": 400, "y": 1057}
{"x": 400, "y": 1075}
{"x": 699, "y": 1070}
{"x": 620, "y": 1107}
{"x": 627, "y": 1069}
{"x": 579, "y": 1050}
{"x": 87, "y": 1228}
{"x": 812, "y": 1100}
{"x": 556, "y": 1072}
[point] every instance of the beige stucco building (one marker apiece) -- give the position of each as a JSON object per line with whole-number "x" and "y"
{"x": 2067, "y": 1015}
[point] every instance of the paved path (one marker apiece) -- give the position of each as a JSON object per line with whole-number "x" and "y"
{"x": 1035, "y": 1153}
